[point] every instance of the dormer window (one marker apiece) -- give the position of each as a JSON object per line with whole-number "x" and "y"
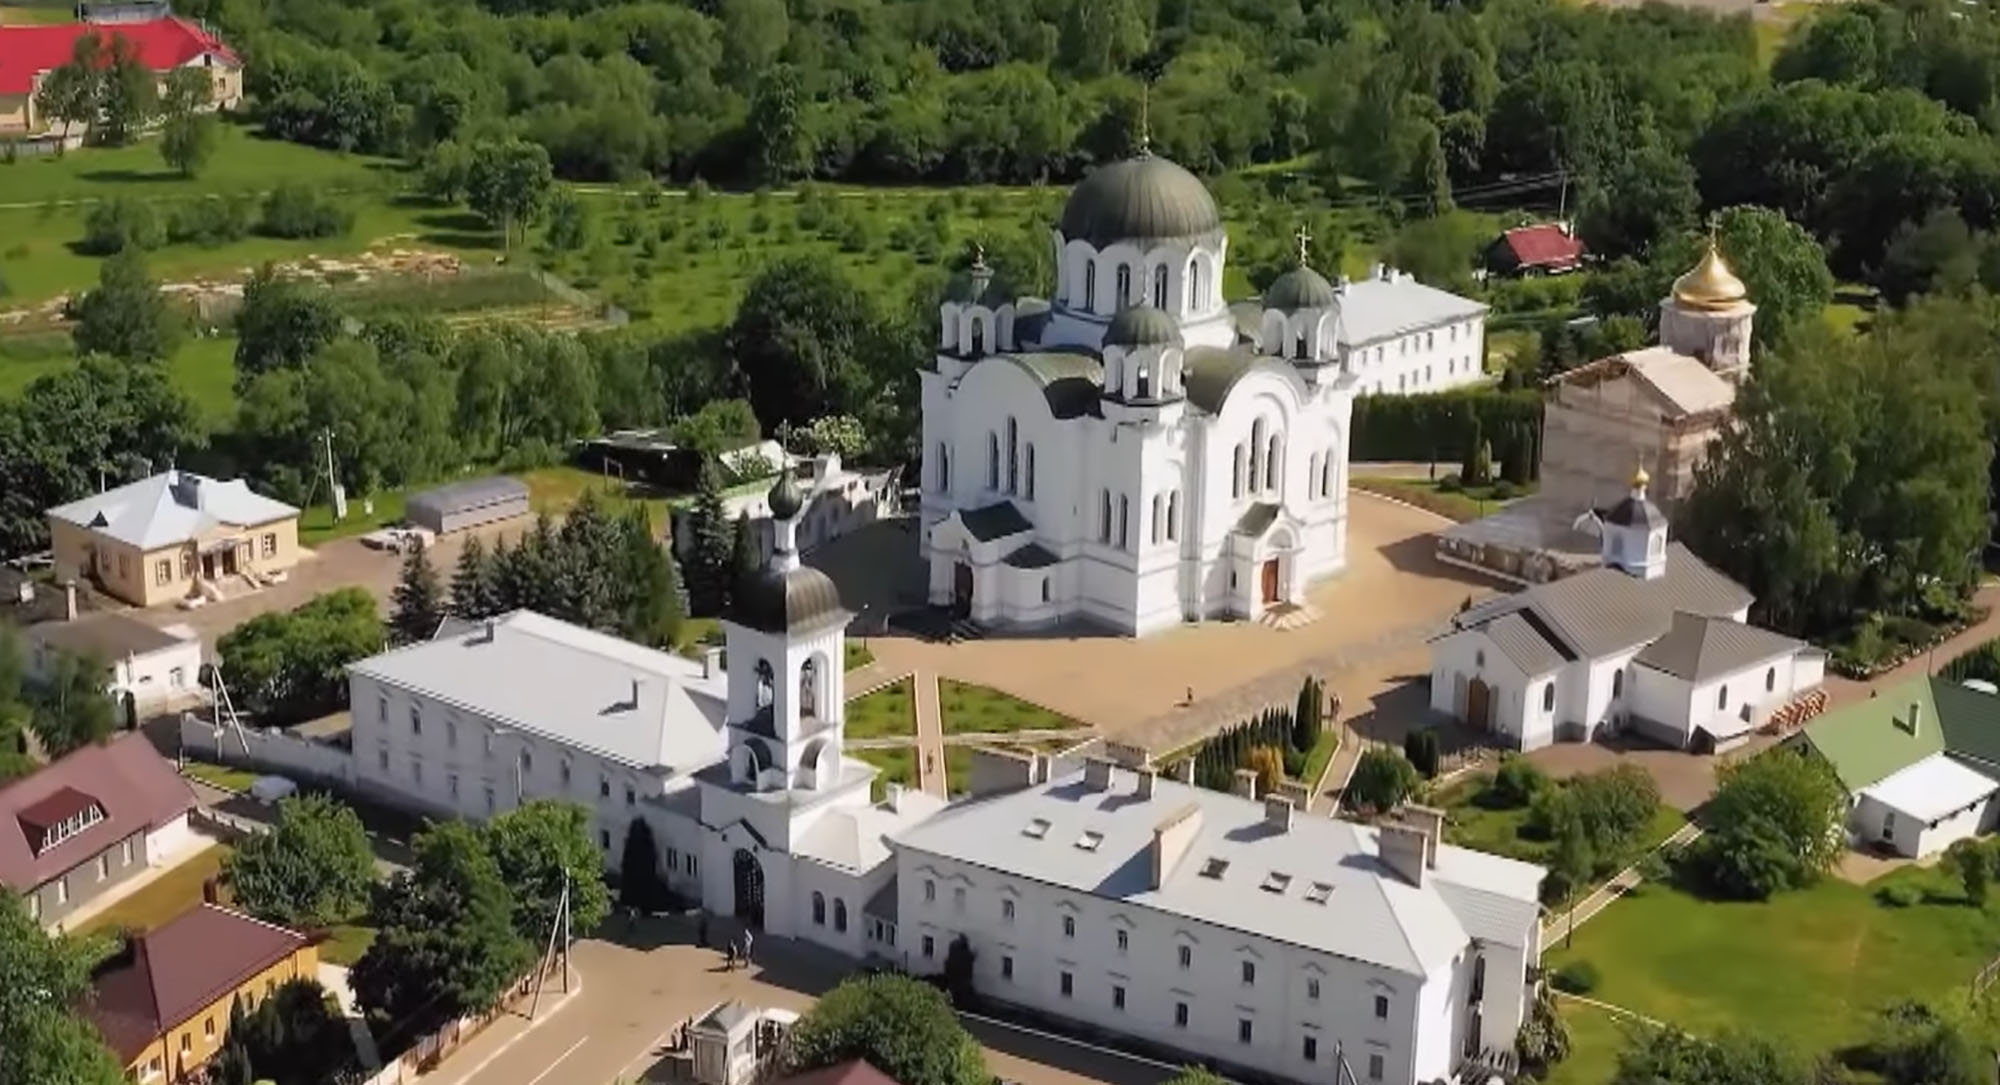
{"x": 1036, "y": 829}
{"x": 62, "y": 815}
{"x": 1276, "y": 882}
{"x": 1089, "y": 841}
{"x": 1213, "y": 868}
{"x": 1318, "y": 893}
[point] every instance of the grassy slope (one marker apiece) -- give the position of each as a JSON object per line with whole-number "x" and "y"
{"x": 968, "y": 709}
{"x": 1595, "y": 1039}
{"x": 1809, "y": 967}
{"x": 889, "y": 712}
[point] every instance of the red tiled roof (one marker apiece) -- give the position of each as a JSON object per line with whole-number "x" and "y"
{"x": 851, "y": 1072}
{"x": 134, "y": 785}
{"x": 1542, "y": 246}
{"x": 27, "y": 51}
{"x": 177, "y": 969}
{"x": 55, "y": 808}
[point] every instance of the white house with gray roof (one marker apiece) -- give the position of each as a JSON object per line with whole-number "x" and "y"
{"x": 1264, "y": 938}
{"x": 1654, "y": 641}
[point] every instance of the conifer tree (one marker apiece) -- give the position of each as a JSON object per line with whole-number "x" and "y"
{"x": 742, "y": 554}
{"x": 473, "y": 592}
{"x": 710, "y": 541}
{"x": 419, "y": 600}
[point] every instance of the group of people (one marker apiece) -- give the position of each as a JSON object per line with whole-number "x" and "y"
{"x": 735, "y": 952}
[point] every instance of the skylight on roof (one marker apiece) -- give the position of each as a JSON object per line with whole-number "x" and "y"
{"x": 1037, "y": 828}
{"x": 1276, "y": 882}
{"x": 1089, "y": 841}
{"x": 1213, "y": 868}
{"x": 1318, "y": 892}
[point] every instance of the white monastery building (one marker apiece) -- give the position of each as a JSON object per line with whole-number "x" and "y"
{"x": 1653, "y": 641}
{"x": 1226, "y": 928}
{"x": 1136, "y": 451}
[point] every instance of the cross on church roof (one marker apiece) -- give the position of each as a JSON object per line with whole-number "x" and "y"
{"x": 978, "y": 256}
{"x": 1304, "y": 239}
{"x": 1145, "y": 119}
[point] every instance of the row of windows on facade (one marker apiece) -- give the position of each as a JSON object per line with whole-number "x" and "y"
{"x": 70, "y": 826}
{"x": 1420, "y": 341}
{"x": 1618, "y": 686}
{"x": 62, "y": 883}
{"x": 451, "y": 778}
{"x": 1246, "y": 1028}
{"x": 153, "y": 1068}
{"x": 819, "y": 912}
{"x": 1184, "y": 954}
{"x": 1123, "y": 286}
{"x": 163, "y": 569}
{"x": 1258, "y": 464}
{"x": 1408, "y": 382}
{"x": 527, "y": 759}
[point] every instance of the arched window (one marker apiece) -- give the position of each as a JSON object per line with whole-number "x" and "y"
{"x": 1312, "y": 476}
{"x": 977, "y": 344}
{"x": 1124, "y": 285}
{"x": 1549, "y": 697}
{"x": 1236, "y": 473}
{"x": 766, "y": 683}
{"x": 1090, "y": 286}
{"x": 1045, "y": 589}
{"x": 1299, "y": 350}
{"x": 1159, "y": 516}
{"x": 992, "y": 460}
{"x": 1104, "y": 516}
{"x": 1030, "y": 480}
{"x": 1194, "y": 285}
{"x": 1326, "y": 475}
{"x": 1256, "y": 453}
{"x": 1124, "y": 522}
{"x": 809, "y": 689}
{"x": 943, "y": 468}
{"x": 1271, "y": 464}
{"x": 840, "y": 916}
{"x": 1770, "y": 679}
{"x": 1173, "y": 515}
{"x": 1617, "y": 683}
{"x": 1013, "y": 457}
{"x": 1145, "y": 383}
{"x": 819, "y": 908}
{"x": 1160, "y": 287}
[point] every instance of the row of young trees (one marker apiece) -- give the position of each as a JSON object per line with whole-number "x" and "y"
{"x": 1274, "y": 743}
{"x": 106, "y": 88}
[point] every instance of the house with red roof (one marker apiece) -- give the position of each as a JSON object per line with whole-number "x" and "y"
{"x": 89, "y": 823}
{"x": 1548, "y": 248}
{"x": 29, "y": 53}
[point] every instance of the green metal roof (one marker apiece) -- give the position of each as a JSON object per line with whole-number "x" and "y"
{"x": 1871, "y": 740}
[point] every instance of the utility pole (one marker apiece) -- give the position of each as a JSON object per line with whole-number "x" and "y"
{"x": 339, "y": 496}
{"x": 559, "y": 928}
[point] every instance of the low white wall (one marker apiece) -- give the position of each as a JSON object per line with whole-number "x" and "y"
{"x": 269, "y": 751}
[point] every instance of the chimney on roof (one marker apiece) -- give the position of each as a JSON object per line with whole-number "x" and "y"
{"x": 1244, "y": 783}
{"x": 1403, "y": 851}
{"x": 1916, "y": 719}
{"x": 492, "y": 630}
{"x": 1097, "y": 774}
{"x": 1147, "y": 778}
{"x": 1430, "y": 821}
{"x": 1278, "y": 813}
{"x": 711, "y": 663}
{"x": 1171, "y": 838}
{"x": 69, "y": 600}
{"x": 892, "y": 797}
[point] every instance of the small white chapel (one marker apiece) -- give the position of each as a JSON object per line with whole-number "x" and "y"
{"x": 1136, "y": 451}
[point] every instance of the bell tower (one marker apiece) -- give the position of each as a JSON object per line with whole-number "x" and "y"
{"x": 1708, "y": 316}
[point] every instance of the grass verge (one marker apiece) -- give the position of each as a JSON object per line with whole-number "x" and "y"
{"x": 969, "y": 709}
{"x": 889, "y": 712}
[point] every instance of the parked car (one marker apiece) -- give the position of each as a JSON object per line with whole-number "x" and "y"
{"x": 401, "y": 539}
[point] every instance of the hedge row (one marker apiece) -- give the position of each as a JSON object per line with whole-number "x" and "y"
{"x": 1439, "y": 426}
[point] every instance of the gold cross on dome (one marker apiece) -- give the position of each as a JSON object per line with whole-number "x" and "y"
{"x": 1145, "y": 118}
{"x": 1304, "y": 239}
{"x": 978, "y": 255}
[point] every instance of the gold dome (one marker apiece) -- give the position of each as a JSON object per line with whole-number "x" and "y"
{"x": 1710, "y": 284}
{"x": 1640, "y": 478}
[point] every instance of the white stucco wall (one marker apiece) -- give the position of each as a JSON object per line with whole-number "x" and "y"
{"x": 170, "y": 841}
{"x": 1434, "y": 359}
{"x": 1911, "y": 837}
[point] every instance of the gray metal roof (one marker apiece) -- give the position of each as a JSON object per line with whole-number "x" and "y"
{"x": 1210, "y": 373}
{"x": 1523, "y": 642}
{"x": 1636, "y": 512}
{"x": 571, "y": 685}
{"x": 1369, "y": 914}
{"x": 1257, "y": 518}
{"x": 1698, "y": 648}
{"x": 1071, "y": 382}
{"x": 1607, "y": 610}
{"x": 1031, "y": 556}
{"x": 472, "y": 493}
{"x": 1379, "y": 308}
{"x": 172, "y": 507}
{"x": 107, "y": 636}
{"x": 1300, "y": 288}
{"x": 793, "y": 601}
{"x": 1139, "y": 199}
{"x": 995, "y": 521}
{"x": 1141, "y": 326}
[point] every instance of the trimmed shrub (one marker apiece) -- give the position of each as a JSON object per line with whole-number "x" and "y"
{"x": 1421, "y": 747}
{"x": 295, "y": 209}
{"x": 1899, "y": 895}
{"x": 117, "y": 224}
{"x": 1517, "y": 782}
{"x": 1576, "y": 978}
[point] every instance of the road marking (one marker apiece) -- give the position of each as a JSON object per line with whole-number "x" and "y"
{"x": 560, "y": 1005}
{"x": 651, "y": 1046}
{"x": 537, "y": 1080}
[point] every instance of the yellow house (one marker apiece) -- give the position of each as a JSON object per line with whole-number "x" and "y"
{"x": 166, "y": 1011}
{"x": 176, "y": 534}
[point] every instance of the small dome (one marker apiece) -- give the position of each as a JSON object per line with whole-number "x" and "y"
{"x": 1300, "y": 288}
{"x": 785, "y": 498}
{"x": 1640, "y": 478}
{"x": 1710, "y": 284}
{"x": 793, "y": 601}
{"x": 1636, "y": 512}
{"x": 1142, "y": 326}
{"x": 1144, "y": 198}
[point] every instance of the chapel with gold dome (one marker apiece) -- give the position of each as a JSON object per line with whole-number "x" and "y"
{"x": 1707, "y": 315}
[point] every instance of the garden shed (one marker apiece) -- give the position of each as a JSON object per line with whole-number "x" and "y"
{"x": 468, "y": 504}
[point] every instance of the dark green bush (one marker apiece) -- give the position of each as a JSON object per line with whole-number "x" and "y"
{"x": 118, "y": 223}
{"x": 1576, "y": 978}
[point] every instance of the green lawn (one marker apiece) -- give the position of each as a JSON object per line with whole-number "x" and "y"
{"x": 203, "y": 368}
{"x": 223, "y": 776}
{"x": 857, "y": 655}
{"x": 1321, "y": 754}
{"x": 888, "y": 712}
{"x": 1500, "y": 831}
{"x": 897, "y": 765}
{"x": 555, "y": 489}
{"x": 317, "y": 525}
{"x": 968, "y": 709}
{"x": 1807, "y": 967}
{"x": 1596, "y": 1038}
{"x": 166, "y": 897}
{"x": 957, "y": 770}
{"x": 346, "y": 943}
{"x": 1462, "y": 505}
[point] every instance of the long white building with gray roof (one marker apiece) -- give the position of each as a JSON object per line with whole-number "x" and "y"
{"x": 1228, "y": 929}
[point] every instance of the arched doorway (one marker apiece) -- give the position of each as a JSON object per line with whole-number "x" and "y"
{"x": 749, "y": 889}
{"x": 1270, "y": 578}
{"x": 1478, "y": 704}
{"x": 961, "y": 589}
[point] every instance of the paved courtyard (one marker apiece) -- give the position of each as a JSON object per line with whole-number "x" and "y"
{"x": 633, "y": 992}
{"x": 1392, "y": 596}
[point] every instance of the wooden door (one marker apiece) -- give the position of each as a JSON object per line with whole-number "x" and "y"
{"x": 1478, "y": 705}
{"x": 1271, "y": 581}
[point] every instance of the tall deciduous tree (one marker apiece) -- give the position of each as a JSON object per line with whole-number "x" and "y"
{"x": 314, "y": 868}
{"x": 1774, "y": 824}
{"x": 283, "y": 322}
{"x": 419, "y": 599}
{"x": 41, "y": 980}
{"x": 538, "y": 846}
{"x": 508, "y": 183}
{"x": 902, "y": 1026}
{"x": 804, "y": 340}
{"x": 287, "y": 667}
{"x": 128, "y": 95}
{"x": 187, "y": 130}
{"x": 72, "y": 709}
{"x": 69, "y": 93}
{"x": 445, "y": 944}
{"x": 1382, "y": 778}
{"x": 126, "y": 316}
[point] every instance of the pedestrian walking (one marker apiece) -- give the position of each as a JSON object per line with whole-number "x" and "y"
{"x": 746, "y": 947}
{"x": 701, "y": 930}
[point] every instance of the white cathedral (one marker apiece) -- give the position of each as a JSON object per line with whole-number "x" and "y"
{"x": 1138, "y": 452}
